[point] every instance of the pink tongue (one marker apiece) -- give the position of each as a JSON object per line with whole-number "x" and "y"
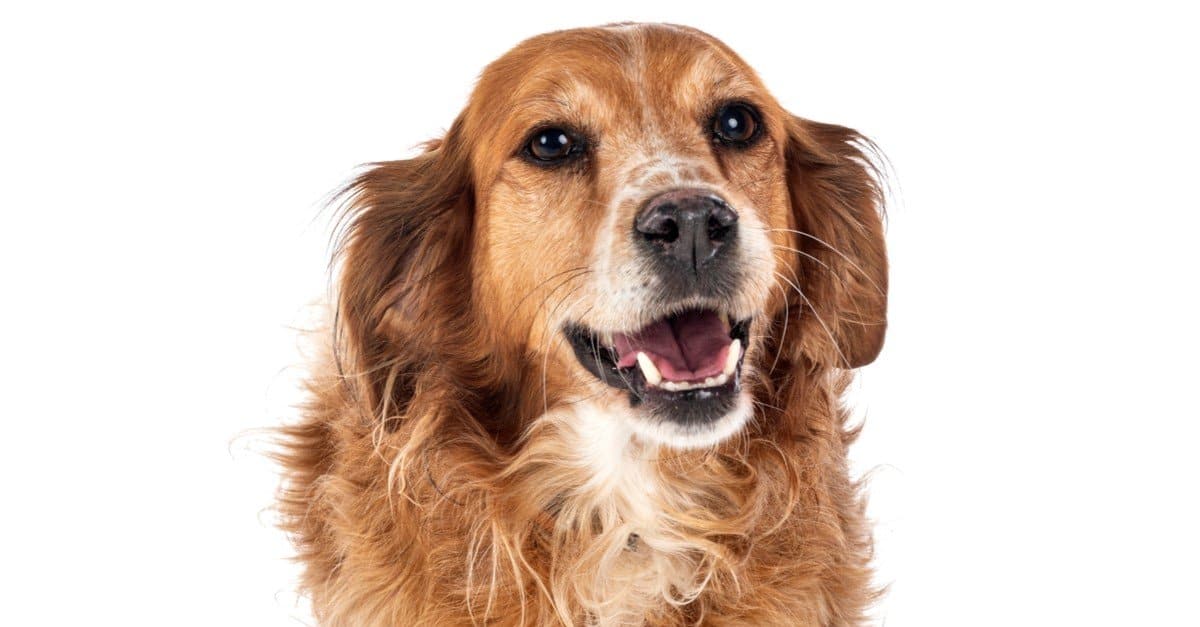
{"x": 687, "y": 347}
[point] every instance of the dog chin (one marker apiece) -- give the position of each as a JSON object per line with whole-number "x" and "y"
{"x": 675, "y": 434}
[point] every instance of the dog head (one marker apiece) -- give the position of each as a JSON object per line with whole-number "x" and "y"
{"x": 621, "y": 211}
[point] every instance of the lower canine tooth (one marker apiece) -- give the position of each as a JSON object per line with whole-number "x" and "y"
{"x": 731, "y": 361}
{"x": 649, "y": 370}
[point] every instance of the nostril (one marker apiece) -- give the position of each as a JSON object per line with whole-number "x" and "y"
{"x": 659, "y": 225}
{"x": 665, "y": 231}
{"x": 670, "y": 231}
{"x": 716, "y": 232}
{"x": 720, "y": 222}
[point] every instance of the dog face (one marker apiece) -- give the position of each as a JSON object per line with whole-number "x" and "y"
{"x": 627, "y": 211}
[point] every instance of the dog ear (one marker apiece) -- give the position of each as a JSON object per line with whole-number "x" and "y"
{"x": 837, "y": 206}
{"x": 403, "y": 280}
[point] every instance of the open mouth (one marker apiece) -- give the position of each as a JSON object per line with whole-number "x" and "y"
{"x": 684, "y": 367}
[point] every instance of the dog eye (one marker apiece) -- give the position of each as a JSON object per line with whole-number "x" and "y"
{"x": 552, "y": 144}
{"x": 735, "y": 123}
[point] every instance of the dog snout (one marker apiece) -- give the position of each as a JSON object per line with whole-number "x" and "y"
{"x": 689, "y": 227}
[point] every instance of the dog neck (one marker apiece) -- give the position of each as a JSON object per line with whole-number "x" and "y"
{"x": 627, "y": 504}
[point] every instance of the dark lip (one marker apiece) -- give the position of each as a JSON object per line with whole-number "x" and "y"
{"x": 686, "y": 406}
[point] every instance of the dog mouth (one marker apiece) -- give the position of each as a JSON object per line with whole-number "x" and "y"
{"x": 685, "y": 367}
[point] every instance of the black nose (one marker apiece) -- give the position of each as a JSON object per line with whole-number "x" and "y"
{"x": 689, "y": 226}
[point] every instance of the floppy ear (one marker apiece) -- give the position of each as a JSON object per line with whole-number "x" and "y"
{"x": 403, "y": 281}
{"x": 837, "y": 206}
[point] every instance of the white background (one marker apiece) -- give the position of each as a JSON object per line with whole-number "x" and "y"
{"x": 1031, "y": 423}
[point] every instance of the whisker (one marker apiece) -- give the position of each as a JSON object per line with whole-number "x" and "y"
{"x": 839, "y": 253}
{"x": 818, "y": 317}
{"x": 547, "y": 333}
{"x": 808, "y": 256}
{"x": 573, "y": 274}
{"x": 783, "y": 336}
{"x": 545, "y": 366}
{"x": 629, "y": 384}
{"x": 857, "y": 309}
{"x": 840, "y": 279}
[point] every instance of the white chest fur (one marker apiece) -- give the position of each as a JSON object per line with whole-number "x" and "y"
{"x": 639, "y": 558}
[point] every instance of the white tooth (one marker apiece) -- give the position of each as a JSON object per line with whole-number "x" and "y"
{"x": 682, "y": 386}
{"x": 649, "y": 370}
{"x": 731, "y": 361}
{"x": 606, "y": 339}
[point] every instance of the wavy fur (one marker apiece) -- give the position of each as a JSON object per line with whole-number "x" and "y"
{"x": 448, "y": 470}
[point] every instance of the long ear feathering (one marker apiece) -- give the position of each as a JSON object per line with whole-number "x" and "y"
{"x": 409, "y": 353}
{"x": 401, "y": 266}
{"x": 408, "y": 360}
{"x": 837, "y": 199}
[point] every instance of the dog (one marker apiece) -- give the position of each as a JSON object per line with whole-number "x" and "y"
{"x": 587, "y": 353}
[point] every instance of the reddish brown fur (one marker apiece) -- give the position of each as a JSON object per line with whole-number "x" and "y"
{"x": 420, "y": 487}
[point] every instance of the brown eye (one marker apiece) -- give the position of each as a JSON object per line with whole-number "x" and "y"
{"x": 552, "y": 144}
{"x": 736, "y": 123}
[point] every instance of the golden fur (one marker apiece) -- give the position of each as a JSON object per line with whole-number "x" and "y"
{"x": 456, "y": 466}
